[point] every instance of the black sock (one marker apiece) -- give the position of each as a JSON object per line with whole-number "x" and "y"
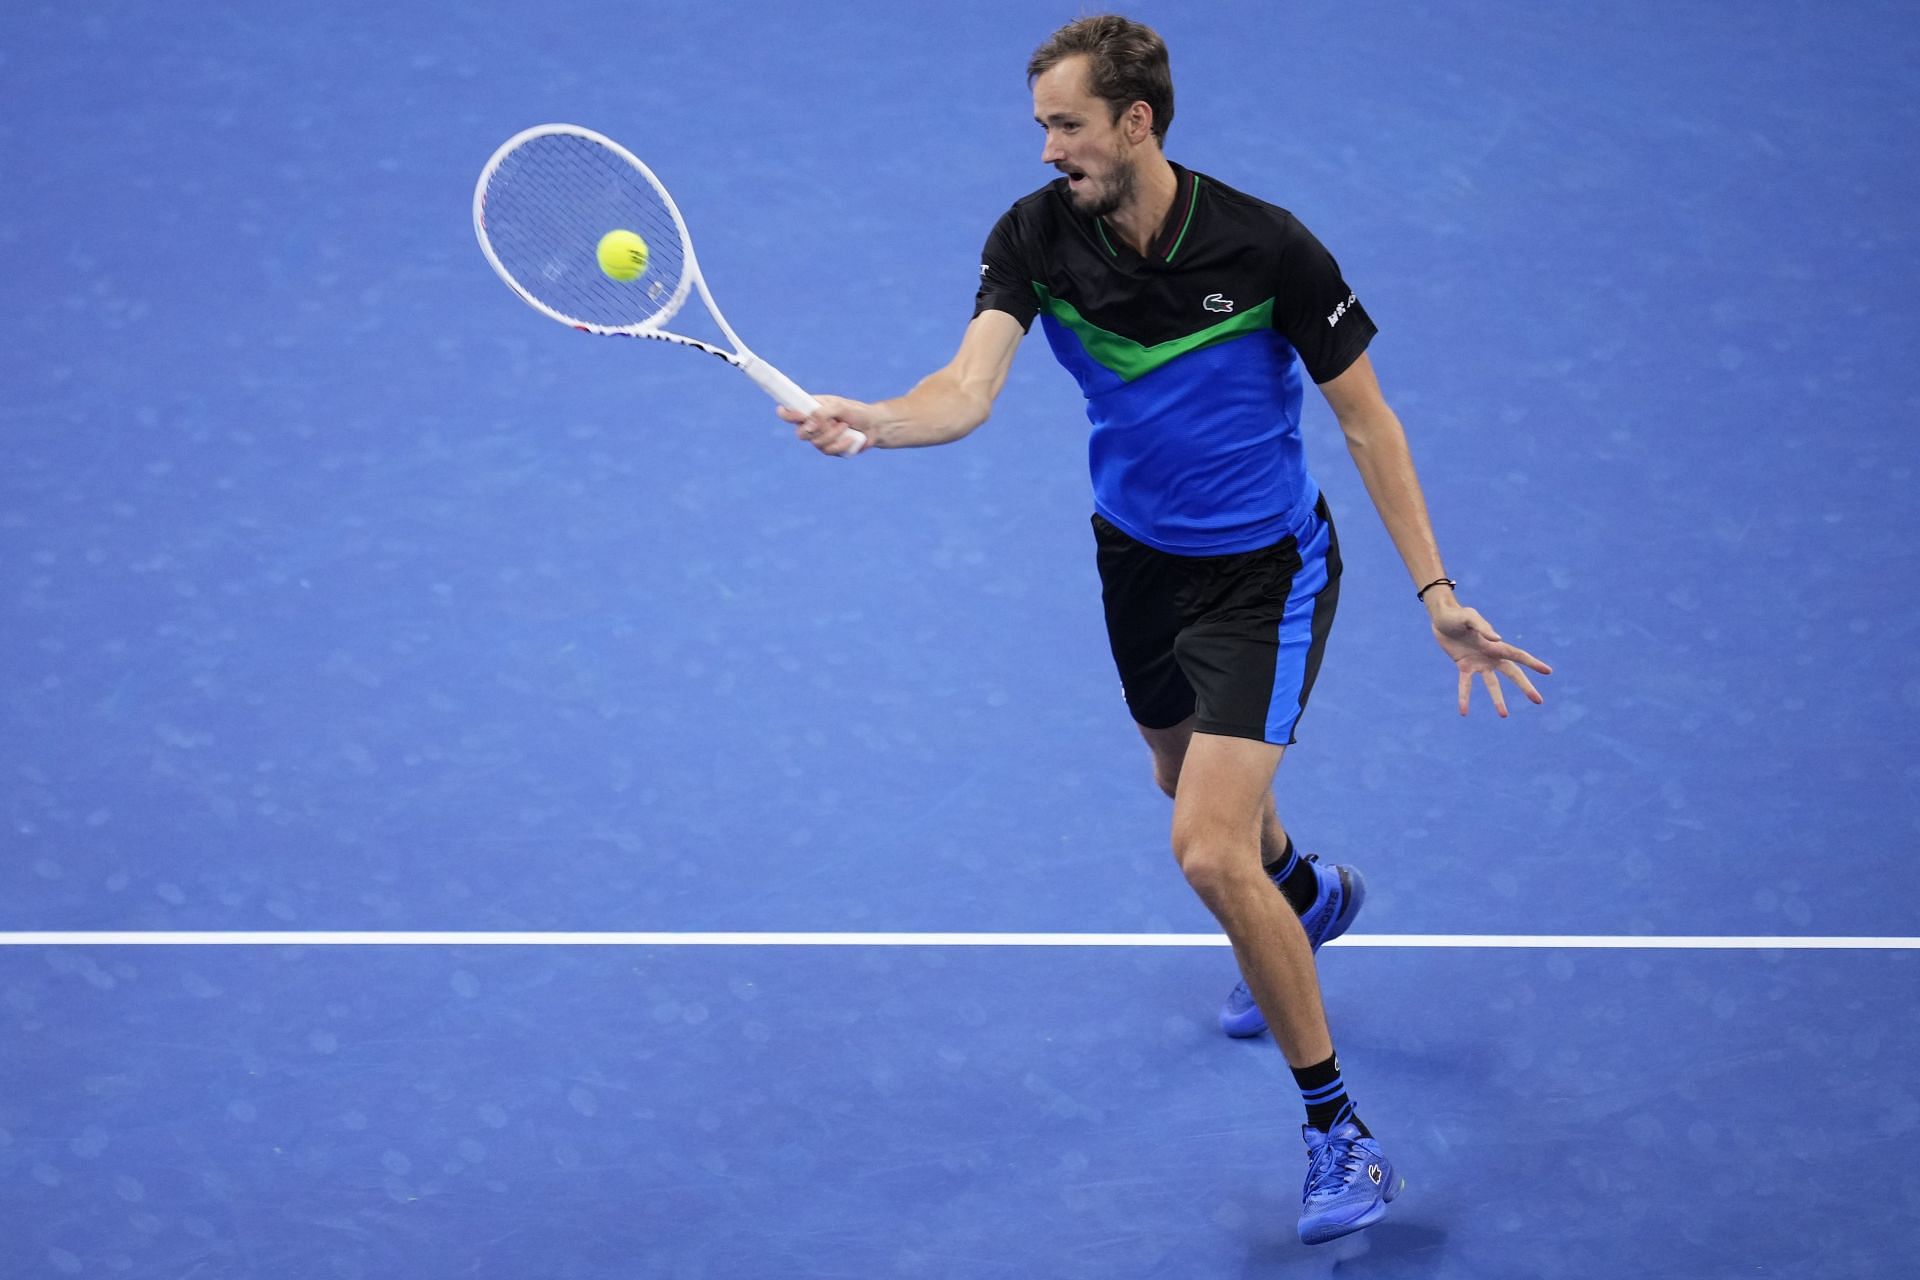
{"x": 1325, "y": 1094}
{"x": 1294, "y": 874}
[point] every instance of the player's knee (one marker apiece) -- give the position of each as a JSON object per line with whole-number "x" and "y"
{"x": 1166, "y": 776}
{"x": 1215, "y": 869}
{"x": 1209, "y": 878}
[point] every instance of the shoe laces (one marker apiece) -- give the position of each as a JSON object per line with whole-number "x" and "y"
{"x": 1335, "y": 1164}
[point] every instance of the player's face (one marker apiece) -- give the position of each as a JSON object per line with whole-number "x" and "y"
{"x": 1084, "y": 141}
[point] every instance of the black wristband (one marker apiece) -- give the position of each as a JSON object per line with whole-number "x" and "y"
{"x": 1421, "y": 594}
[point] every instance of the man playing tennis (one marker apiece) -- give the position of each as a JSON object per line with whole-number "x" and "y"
{"x": 1187, "y": 312}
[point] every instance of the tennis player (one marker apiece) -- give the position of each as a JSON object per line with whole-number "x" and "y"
{"x": 1188, "y": 313}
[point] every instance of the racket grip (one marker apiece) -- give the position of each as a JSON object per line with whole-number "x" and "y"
{"x": 788, "y": 392}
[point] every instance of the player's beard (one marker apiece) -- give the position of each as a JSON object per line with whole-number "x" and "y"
{"x": 1116, "y": 189}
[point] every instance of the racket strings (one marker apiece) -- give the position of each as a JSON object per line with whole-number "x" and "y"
{"x": 546, "y": 207}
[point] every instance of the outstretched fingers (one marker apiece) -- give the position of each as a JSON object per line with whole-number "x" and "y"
{"x": 1512, "y": 671}
{"x": 1490, "y": 676}
{"x": 1477, "y": 650}
{"x": 1508, "y": 653}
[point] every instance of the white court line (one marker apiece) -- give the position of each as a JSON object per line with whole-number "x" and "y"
{"x": 460, "y": 938}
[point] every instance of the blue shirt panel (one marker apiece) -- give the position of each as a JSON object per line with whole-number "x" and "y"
{"x": 1202, "y": 456}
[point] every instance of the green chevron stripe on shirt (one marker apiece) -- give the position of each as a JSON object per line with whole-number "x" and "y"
{"x": 1128, "y": 358}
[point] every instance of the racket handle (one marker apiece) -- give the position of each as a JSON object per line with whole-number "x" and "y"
{"x": 788, "y": 392}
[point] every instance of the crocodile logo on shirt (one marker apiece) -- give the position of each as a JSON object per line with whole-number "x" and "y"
{"x": 1215, "y": 302}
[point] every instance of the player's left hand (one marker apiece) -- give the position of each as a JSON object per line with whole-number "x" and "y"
{"x": 1477, "y": 649}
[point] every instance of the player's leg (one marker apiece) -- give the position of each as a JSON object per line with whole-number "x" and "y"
{"x": 1259, "y": 667}
{"x": 1149, "y": 598}
{"x": 1324, "y": 896}
{"x": 1169, "y": 748}
{"x": 1251, "y": 650}
{"x": 1216, "y": 825}
{"x": 1223, "y": 792}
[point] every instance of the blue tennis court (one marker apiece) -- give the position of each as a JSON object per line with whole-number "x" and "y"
{"x": 481, "y": 800}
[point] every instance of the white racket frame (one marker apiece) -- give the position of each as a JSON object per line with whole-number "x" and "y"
{"x": 769, "y": 379}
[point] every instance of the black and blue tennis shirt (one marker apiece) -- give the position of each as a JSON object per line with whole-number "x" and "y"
{"x": 1190, "y": 356}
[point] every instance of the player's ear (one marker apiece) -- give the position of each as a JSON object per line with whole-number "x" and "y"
{"x": 1139, "y": 122}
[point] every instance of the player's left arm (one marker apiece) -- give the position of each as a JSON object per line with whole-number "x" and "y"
{"x": 1378, "y": 444}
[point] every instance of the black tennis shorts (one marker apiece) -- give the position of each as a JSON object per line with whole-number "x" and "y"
{"x": 1232, "y": 640}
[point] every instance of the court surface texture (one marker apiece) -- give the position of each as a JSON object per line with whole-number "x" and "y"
{"x": 482, "y": 800}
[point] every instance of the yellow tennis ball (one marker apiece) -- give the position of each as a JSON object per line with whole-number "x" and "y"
{"x": 623, "y": 255}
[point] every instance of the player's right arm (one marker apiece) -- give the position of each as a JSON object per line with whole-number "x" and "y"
{"x": 942, "y": 407}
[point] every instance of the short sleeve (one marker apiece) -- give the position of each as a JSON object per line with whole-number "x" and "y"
{"x": 1315, "y": 309}
{"x": 1005, "y": 282}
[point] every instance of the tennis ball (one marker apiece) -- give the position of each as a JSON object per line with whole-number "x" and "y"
{"x": 623, "y": 255}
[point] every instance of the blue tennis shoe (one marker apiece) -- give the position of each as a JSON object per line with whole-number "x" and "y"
{"x": 1349, "y": 1183}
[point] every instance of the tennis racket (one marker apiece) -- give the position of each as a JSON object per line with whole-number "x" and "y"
{"x": 541, "y": 206}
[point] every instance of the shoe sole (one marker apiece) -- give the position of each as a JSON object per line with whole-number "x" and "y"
{"x": 1354, "y": 886}
{"x": 1375, "y": 1212}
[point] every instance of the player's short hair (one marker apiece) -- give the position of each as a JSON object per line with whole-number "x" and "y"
{"x": 1126, "y": 63}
